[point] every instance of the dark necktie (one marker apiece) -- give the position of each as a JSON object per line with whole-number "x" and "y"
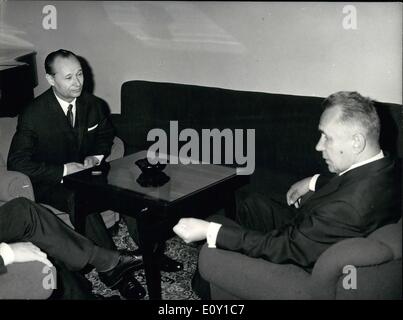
{"x": 70, "y": 115}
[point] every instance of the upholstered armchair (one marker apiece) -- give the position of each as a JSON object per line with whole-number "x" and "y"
{"x": 356, "y": 268}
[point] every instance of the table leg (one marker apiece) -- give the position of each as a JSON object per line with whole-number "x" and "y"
{"x": 150, "y": 250}
{"x": 80, "y": 214}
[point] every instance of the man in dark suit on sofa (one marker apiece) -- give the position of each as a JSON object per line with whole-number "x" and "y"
{"x": 27, "y": 228}
{"x": 61, "y": 132}
{"x": 361, "y": 195}
{"x": 64, "y": 130}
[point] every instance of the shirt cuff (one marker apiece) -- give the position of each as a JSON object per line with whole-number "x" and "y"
{"x": 312, "y": 183}
{"x": 64, "y": 170}
{"x": 212, "y": 232}
{"x": 6, "y": 253}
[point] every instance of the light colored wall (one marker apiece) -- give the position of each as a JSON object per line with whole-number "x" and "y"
{"x": 293, "y": 48}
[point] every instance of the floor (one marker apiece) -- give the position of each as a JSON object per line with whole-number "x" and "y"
{"x": 174, "y": 285}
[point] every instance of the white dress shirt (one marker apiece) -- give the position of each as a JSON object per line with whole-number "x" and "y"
{"x": 65, "y": 106}
{"x": 6, "y": 253}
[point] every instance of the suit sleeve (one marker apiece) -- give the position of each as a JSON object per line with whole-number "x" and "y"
{"x": 22, "y": 149}
{"x": 301, "y": 242}
{"x": 323, "y": 179}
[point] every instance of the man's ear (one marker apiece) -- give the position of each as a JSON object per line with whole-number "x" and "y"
{"x": 359, "y": 143}
{"x": 50, "y": 79}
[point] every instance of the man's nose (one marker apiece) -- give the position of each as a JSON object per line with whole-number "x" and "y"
{"x": 319, "y": 145}
{"x": 77, "y": 82}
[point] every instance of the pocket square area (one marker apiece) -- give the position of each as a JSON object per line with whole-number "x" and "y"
{"x": 92, "y": 128}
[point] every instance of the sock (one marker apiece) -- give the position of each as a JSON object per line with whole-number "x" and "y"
{"x": 104, "y": 259}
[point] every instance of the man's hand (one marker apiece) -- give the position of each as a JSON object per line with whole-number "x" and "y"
{"x": 73, "y": 167}
{"x": 26, "y": 251}
{"x": 191, "y": 229}
{"x": 297, "y": 190}
{"x": 90, "y": 161}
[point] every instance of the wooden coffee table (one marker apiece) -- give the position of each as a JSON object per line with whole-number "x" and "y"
{"x": 193, "y": 190}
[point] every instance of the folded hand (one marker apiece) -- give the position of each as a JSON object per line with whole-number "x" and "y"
{"x": 297, "y": 190}
{"x": 191, "y": 229}
{"x": 26, "y": 251}
{"x": 90, "y": 161}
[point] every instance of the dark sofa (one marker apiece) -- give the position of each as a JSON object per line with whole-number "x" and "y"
{"x": 286, "y": 135}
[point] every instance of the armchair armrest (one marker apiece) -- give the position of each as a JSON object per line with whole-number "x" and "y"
{"x": 117, "y": 151}
{"x": 15, "y": 184}
{"x": 28, "y": 280}
{"x": 358, "y": 252}
{"x": 250, "y": 278}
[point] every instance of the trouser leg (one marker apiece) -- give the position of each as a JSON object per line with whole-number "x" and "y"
{"x": 263, "y": 214}
{"x": 96, "y": 231}
{"x": 71, "y": 285}
{"x": 131, "y": 224}
{"x": 23, "y": 220}
{"x": 63, "y": 199}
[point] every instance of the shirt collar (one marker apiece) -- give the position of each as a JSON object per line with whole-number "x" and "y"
{"x": 65, "y": 104}
{"x": 379, "y": 156}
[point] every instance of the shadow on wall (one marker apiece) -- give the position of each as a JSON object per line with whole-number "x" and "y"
{"x": 89, "y": 82}
{"x": 389, "y": 134}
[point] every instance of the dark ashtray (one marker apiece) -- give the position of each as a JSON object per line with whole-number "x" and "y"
{"x": 150, "y": 169}
{"x": 157, "y": 179}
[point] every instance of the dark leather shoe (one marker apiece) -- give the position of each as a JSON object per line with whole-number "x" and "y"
{"x": 169, "y": 265}
{"x": 136, "y": 253}
{"x": 130, "y": 288}
{"x": 125, "y": 265}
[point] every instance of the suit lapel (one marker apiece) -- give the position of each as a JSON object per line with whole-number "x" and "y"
{"x": 81, "y": 118}
{"x": 328, "y": 188}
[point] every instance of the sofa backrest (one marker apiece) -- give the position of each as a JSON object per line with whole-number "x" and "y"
{"x": 278, "y": 120}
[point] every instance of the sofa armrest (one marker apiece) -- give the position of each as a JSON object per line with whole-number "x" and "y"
{"x": 250, "y": 278}
{"x": 357, "y": 252}
{"x": 28, "y": 280}
{"x": 14, "y": 184}
{"x": 117, "y": 151}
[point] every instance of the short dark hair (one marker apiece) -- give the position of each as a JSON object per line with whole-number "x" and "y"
{"x": 357, "y": 109}
{"x": 53, "y": 55}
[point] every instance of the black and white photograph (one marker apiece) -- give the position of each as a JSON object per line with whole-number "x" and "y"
{"x": 200, "y": 151}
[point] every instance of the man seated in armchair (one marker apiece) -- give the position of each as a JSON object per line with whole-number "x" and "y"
{"x": 361, "y": 195}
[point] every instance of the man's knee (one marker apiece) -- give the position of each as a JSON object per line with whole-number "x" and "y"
{"x": 18, "y": 208}
{"x": 20, "y": 204}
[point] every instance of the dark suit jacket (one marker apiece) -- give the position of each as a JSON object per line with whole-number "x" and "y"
{"x": 351, "y": 205}
{"x": 45, "y": 141}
